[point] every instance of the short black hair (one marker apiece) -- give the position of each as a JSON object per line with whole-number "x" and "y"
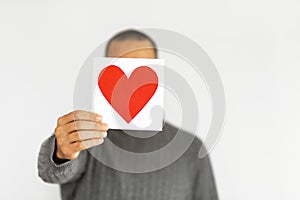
{"x": 130, "y": 34}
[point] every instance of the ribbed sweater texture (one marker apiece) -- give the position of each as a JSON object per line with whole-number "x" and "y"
{"x": 87, "y": 178}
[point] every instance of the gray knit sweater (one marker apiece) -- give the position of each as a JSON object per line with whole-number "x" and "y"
{"x": 85, "y": 178}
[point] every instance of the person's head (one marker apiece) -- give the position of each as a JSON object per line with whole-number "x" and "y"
{"x": 131, "y": 44}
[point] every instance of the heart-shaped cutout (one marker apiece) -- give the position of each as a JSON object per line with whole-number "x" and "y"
{"x": 128, "y": 96}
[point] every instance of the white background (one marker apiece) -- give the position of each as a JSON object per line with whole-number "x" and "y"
{"x": 254, "y": 44}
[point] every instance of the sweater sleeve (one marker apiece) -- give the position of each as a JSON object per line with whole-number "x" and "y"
{"x": 205, "y": 187}
{"x": 51, "y": 172}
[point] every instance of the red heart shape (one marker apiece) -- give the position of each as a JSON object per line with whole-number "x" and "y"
{"x": 128, "y": 96}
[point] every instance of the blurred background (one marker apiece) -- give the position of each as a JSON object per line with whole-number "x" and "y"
{"x": 254, "y": 44}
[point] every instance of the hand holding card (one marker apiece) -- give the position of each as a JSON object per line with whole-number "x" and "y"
{"x": 77, "y": 131}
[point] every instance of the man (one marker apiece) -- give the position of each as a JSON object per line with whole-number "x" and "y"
{"x": 65, "y": 160}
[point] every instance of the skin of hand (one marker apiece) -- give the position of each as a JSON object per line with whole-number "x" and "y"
{"x": 77, "y": 131}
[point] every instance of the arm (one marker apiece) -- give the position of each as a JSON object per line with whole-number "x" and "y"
{"x": 52, "y": 172}
{"x": 63, "y": 156}
{"x": 205, "y": 187}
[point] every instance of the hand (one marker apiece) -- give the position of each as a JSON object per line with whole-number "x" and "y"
{"x": 77, "y": 131}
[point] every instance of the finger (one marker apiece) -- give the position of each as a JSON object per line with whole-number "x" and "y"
{"x": 83, "y": 126}
{"x": 79, "y": 146}
{"x": 80, "y": 136}
{"x": 79, "y": 115}
{"x": 86, "y": 135}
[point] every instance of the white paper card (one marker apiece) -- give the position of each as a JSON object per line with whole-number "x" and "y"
{"x": 110, "y": 103}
